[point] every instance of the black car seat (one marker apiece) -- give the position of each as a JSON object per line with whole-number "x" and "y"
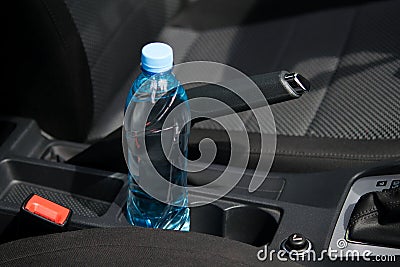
{"x": 72, "y": 63}
{"x": 133, "y": 246}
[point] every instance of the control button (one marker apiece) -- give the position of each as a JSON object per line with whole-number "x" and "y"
{"x": 298, "y": 82}
{"x": 381, "y": 183}
{"x": 47, "y": 210}
{"x": 395, "y": 184}
{"x": 296, "y": 243}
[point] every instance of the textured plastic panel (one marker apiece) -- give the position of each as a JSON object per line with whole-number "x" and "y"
{"x": 19, "y": 191}
{"x": 250, "y": 224}
{"x": 87, "y": 194}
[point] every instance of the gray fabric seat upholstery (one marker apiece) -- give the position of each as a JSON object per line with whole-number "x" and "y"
{"x": 129, "y": 246}
{"x": 351, "y": 55}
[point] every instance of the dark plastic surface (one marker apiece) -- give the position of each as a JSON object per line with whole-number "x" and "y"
{"x": 25, "y": 139}
{"x": 6, "y": 129}
{"x": 90, "y": 195}
{"x": 62, "y": 151}
{"x": 248, "y": 224}
{"x": 93, "y": 196}
{"x": 32, "y": 224}
{"x": 86, "y": 194}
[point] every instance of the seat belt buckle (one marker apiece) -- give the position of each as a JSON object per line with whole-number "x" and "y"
{"x": 42, "y": 216}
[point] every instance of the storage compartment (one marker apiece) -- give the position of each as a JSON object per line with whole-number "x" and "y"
{"x": 97, "y": 200}
{"x": 86, "y": 192}
{"x": 251, "y": 225}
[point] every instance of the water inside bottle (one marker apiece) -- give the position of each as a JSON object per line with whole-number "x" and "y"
{"x": 144, "y": 210}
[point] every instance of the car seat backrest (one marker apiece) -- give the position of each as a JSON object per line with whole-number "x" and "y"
{"x": 67, "y": 59}
{"x": 49, "y": 78}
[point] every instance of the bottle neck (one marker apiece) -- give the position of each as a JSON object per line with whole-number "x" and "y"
{"x": 148, "y": 73}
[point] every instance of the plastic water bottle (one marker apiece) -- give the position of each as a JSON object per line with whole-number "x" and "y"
{"x": 156, "y": 88}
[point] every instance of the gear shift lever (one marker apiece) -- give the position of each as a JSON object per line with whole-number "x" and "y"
{"x": 376, "y": 219}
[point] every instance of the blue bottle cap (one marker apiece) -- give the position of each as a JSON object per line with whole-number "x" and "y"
{"x": 157, "y": 57}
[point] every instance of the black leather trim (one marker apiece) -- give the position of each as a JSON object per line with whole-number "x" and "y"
{"x": 306, "y": 154}
{"x": 293, "y": 154}
{"x": 375, "y": 219}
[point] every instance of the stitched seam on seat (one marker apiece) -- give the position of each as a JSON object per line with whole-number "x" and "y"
{"x": 363, "y": 218}
{"x": 53, "y": 20}
{"x": 394, "y": 204}
{"x": 391, "y": 192}
{"x": 349, "y": 156}
{"x": 330, "y": 158}
{"x": 365, "y": 212}
{"x": 365, "y": 157}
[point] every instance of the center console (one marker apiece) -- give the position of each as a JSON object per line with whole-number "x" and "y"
{"x": 316, "y": 206}
{"x": 340, "y": 237}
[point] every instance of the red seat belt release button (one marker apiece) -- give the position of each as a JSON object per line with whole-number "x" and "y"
{"x": 47, "y": 210}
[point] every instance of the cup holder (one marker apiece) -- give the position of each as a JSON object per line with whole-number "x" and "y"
{"x": 251, "y": 225}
